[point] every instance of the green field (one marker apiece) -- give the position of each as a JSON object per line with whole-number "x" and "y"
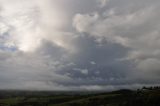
{"x": 142, "y": 97}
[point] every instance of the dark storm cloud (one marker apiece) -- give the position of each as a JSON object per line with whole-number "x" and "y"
{"x": 106, "y": 56}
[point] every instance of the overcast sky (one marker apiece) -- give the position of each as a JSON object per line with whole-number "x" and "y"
{"x": 79, "y": 44}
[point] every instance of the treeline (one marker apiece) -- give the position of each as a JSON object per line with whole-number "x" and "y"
{"x": 151, "y": 88}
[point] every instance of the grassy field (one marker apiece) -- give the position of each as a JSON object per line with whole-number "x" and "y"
{"x": 142, "y": 97}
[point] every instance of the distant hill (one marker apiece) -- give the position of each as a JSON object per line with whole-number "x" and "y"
{"x": 140, "y": 97}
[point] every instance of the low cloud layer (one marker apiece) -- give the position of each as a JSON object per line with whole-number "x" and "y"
{"x": 79, "y": 45}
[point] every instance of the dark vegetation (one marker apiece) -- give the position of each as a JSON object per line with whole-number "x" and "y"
{"x": 141, "y": 97}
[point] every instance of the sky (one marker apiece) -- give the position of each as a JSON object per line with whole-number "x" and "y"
{"x": 79, "y": 44}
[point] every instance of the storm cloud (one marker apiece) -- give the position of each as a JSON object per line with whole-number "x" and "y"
{"x": 79, "y": 45}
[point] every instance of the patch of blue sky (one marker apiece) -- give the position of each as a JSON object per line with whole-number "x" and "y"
{"x": 5, "y": 48}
